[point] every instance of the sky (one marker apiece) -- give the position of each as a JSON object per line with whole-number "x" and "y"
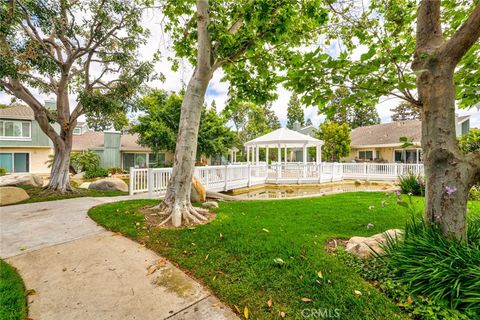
{"x": 218, "y": 90}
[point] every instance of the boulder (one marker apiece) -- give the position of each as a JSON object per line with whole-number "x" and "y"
{"x": 27, "y": 179}
{"x": 210, "y": 204}
{"x": 364, "y": 247}
{"x": 84, "y": 185}
{"x": 197, "y": 192}
{"x": 109, "y": 184}
{"x": 79, "y": 175}
{"x": 11, "y": 195}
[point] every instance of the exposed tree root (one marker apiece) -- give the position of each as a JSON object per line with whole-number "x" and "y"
{"x": 181, "y": 214}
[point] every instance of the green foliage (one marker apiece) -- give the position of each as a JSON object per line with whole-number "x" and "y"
{"x": 405, "y": 111}
{"x": 412, "y": 184}
{"x": 474, "y": 193}
{"x": 84, "y": 161}
{"x": 336, "y": 138}
{"x": 250, "y": 39}
{"x": 356, "y": 114}
{"x": 96, "y": 172}
{"x": 3, "y": 171}
{"x": 384, "y": 32}
{"x": 12, "y": 294}
{"x": 98, "y": 121}
{"x": 471, "y": 141}
{"x": 158, "y": 128}
{"x": 112, "y": 171}
{"x": 295, "y": 112}
{"x": 446, "y": 270}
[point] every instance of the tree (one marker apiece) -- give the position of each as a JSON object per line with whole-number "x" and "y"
{"x": 158, "y": 128}
{"x": 354, "y": 113}
{"x": 428, "y": 68}
{"x": 405, "y": 111}
{"x": 76, "y": 50}
{"x": 470, "y": 141}
{"x": 246, "y": 39}
{"x": 295, "y": 112}
{"x": 101, "y": 122}
{"x": 336, "y": 138}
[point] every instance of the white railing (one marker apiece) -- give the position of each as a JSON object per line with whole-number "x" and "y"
{"x": 227, "y": 177}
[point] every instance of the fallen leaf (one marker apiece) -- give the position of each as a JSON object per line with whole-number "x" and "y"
{"x": 64, "y": 269}
{"x": 281, "y": 314}
{"x": 409, "y": 300}
{"x": 306, "y": 299}
{"x": 116, "y": 234}
{"x": 266, "y": 230}
{"x": 31, "y": 292}
{"x": 237, "y": 308}
{"x": 320, "y": 274}
{"x": 269, "y": 303}
{"x": 151, "y": 269}
{"x": 357, "y": 293}
{"x": 245, "y": 312}
{"x": 279, "y": 261}
{"x": 161, "y": 263}
{"x": 206, "y": 257}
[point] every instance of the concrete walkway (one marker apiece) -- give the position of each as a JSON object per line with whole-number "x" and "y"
{"x": 81, "y": 271}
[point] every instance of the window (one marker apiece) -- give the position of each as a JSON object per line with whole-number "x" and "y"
{"x": 15, "y": 130}
{"x": 77, "y": 131}
{"x": 137, "y": 160}
{"x": 156, "y": 160}
{"x": 365, "y": 155}
{"x": 15, "y": 162}
{"x": 408, "y": 156}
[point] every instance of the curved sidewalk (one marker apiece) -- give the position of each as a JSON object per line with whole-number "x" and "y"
{"x": 78, "y": 270}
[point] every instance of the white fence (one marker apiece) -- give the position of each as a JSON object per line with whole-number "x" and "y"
{"x": 222, "y": 178}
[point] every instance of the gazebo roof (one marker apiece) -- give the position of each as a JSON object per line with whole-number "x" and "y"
{"x": 286, "y": 138}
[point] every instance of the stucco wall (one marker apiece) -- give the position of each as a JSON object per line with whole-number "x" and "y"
{"x": 38, "y": 157}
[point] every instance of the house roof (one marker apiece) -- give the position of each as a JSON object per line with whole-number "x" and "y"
{"x": 284, "y": 137}
{"x": 95, "y": 140}
{"x": 17, "y": 112}
{"x": 387, "y": 134}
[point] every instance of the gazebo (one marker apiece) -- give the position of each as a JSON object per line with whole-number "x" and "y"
{"x": 282, "y": 138}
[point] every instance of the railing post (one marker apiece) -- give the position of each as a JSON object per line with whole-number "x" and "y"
{"x": 132, "y": 181}
{"x": 395, "y": 171}
{"x": 207, "y": 178}
{"x": 150, "y": 182}
{"x": 249, "y": 175}
{"x": 226, "y": 178}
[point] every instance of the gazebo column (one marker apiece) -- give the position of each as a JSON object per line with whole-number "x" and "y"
{"x": 285, "y": 153}
{"x": 304, "y": 160}
{"x": 248, "y": 155}
{"x": 279, "y": 161}
{"x": 257, "y": 155}
{"x": 266, "y": 155}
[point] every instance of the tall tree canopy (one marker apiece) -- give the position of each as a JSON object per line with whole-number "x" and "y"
{"x": 431, "y": 67}
{"x": 158, "y": 128}
{"x": 295, "y": 112}
{"x": 82, "y": 51}
{"x": 98, "y": 121}
{"x": 336, "y": 139}
{"x": 405, "y": 111}
{"x": 354, "y": 113}
{"x": 249, "y": 41}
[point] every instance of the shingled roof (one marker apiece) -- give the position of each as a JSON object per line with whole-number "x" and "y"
{"x": 386, "y": 134}
{"x": 95, "y": 140}
{"x": 17, "y": 112}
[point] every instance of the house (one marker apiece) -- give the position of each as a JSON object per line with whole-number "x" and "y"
{"x": 381, "y": 142}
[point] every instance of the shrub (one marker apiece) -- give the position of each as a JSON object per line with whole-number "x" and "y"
{"x": 84, "y": 161}
{"x": 446, "y": 270}
{"x": 474, "y": 193}
{"x": 3, "y": 171}
{"x": 412, "y": 184}
{"x": 115, "y": 171}
{"x": 96, "y": 172}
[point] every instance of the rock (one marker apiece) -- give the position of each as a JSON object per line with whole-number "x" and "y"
{"x": 357, "y": 182}
{"x": 11, "y": 195}
{"x": 364, "y": 247}
{"x": 210, "y": 204}
{"x": 84, "y": 185}
{"x": 27, "y": 179}
{"x": 79, "y": 175}
{"x": 109, "y": 184}
{"x": 197, "y": 192}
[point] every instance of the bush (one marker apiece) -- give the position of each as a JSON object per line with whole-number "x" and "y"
{"x": 446, "y": 270}
{"x": 474, "y": 193}
{"x": 113, "y": 171}
{"x": 96, "y": 172}
{"x": 412, "y": 184}
{"x": 84, "y": 161}
{"x": 3, "y": 171}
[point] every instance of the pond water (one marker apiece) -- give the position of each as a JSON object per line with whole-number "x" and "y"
{"x": 276, "y": 192}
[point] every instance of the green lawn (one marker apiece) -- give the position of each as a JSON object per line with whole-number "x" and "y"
{"x": 12, "y": 294}
{"x": 39, "y": 194}
{"x": 235, "y": 254}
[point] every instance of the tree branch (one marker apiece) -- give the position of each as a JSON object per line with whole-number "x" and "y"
{"x": 455, "y": 48}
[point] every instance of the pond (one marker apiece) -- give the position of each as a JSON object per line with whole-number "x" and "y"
{"x": 295, "y": 191}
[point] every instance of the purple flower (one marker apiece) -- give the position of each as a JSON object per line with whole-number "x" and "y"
{"x": 450, "y": 190}
{"x": 398, "y": 193}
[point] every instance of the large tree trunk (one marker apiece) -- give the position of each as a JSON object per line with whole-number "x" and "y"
{"x": 176, "y": 204}
{"x": 449, "y": 174}
{"x": 59, "y": 174}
